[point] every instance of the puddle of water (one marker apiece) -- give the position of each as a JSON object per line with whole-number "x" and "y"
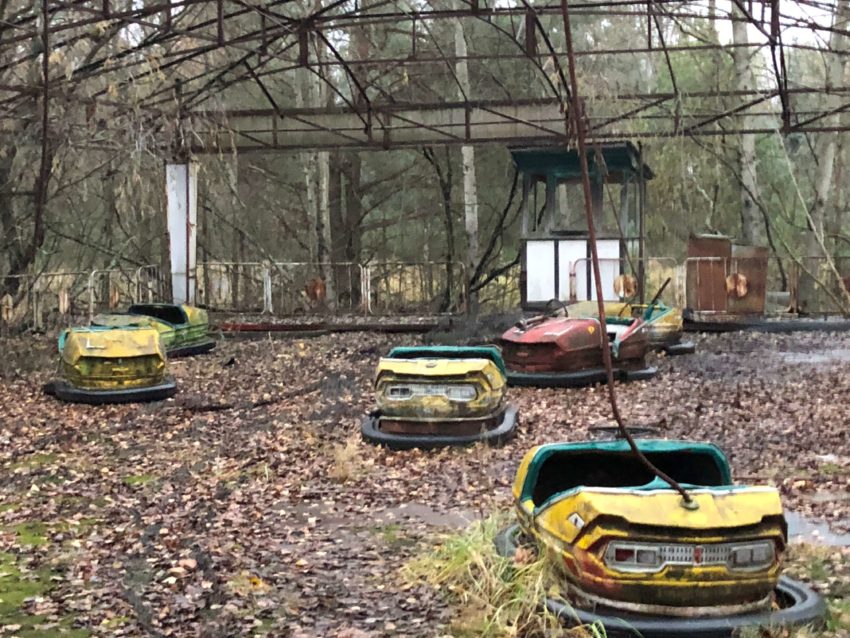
{"x": 816, "y": 358}
{"x": 804, "y": 530}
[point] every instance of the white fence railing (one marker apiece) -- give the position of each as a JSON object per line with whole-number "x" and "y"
{"x": 51, "y": 299}
{"x": 283, "y": 289}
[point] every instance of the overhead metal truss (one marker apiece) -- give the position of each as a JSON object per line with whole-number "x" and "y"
{"x": 211, "y": 75}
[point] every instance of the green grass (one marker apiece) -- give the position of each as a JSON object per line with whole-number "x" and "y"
{"x": 492, "y": 596}
{"x": 392, "y": 534}
{"x": 31, "y": 533}
{"x": 17, "y": 585}
{"x": 831, "y": 469}
{"x": 828, "y": 569}
{"x": 33, "y": 461}
{"x": 138, "y": 479}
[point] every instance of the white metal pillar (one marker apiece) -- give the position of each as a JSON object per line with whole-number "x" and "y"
{"x": 181, "y": 186}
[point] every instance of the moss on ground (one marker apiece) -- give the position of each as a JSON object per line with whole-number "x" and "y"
{"x": 17, "y": 585}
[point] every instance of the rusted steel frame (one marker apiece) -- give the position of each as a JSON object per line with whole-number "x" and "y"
{"x": 545, "y": 101}
{"x": 524, "y": 122}
{"x": 367, "y": 122}
{"x": 416, "y": 124}
{"x": 21, "y": 18}
{"x": 475, "y": 57}
{"x": 578, "y": 127}
{"x": 361, "y": 144}
{"x": 312, "y": 125}
{"x": 151, "y": 103}
{"x": 131, "y": 14}
{"x": 159, "y": 39}
{"x": 834, "y": 111}
{"x": 219, "y": 21}
{"x": 580, "y": 9}
{"x": 780, "y": 70}
{"x": 96, "y": 64}
{"x": 167, "y": 89}
{"x": 363, "y": 17}
{"x": 355, "y": 109}
{"x": 677, "y": 117}
{"x": 391, "y": 107}
{"x": 628, "y": 135}
{"x": 263, "y": 88}
{"x": 732, "y": 111}
{"x": 504, "y": 139}
{"x": 629, "y": 114}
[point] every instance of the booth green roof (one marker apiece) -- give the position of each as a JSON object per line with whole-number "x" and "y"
{"x": 562, "y": 163}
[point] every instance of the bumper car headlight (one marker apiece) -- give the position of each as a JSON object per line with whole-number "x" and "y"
{"x": 452, "y": 391}
{"x": 752, "y": 556}
{"x": 652, "y": 557}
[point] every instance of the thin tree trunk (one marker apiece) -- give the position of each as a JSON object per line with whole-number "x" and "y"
{"x": 323, "y": 229}
{"x": 752, "y": 226}
{"x": 826, "y": 146}
{"x": 470, "y": 188}
{"x": 444, "y": 180}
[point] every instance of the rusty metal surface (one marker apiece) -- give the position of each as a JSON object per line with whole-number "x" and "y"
{"x": 567, "y": 345}
{"x": 706, "y": 272}
{"x": 210, "y": 46}
{"x": 751, "y": 262}
{"x": 447, "y": 427}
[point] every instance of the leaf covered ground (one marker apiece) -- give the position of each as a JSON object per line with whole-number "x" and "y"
{"x": 247, "y": 505}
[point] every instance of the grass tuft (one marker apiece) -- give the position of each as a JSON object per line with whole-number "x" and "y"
{"x": 347, "y": 463}
{"x": 493, "y": 597}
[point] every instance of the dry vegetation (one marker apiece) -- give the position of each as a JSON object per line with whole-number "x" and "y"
{"x": 247, "y": 505}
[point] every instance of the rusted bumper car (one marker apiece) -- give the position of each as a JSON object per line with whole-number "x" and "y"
{"x": 562, "y": 351}
{"x": 430, "y": 397}
{"x": 631, "y": 557}
{"x": 111, "y": 365}
{"x": 663, "y": 324}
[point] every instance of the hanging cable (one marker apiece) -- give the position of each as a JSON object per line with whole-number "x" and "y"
{"x": 577, "y": 116}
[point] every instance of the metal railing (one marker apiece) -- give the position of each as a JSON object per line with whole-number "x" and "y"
{"x": 284, "y": 289}
{"x": 403, "y": 288}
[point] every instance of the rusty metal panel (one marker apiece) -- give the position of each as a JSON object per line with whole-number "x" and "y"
{"x": 706, "y": 272}
{"x": 749, "y": 262}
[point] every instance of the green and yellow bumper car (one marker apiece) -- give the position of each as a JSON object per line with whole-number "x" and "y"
{"x": 112, "y": 365}
{"x": 436, "y": 396}
{"x": 632, "y": 557}
{"x": 184, "y": 329}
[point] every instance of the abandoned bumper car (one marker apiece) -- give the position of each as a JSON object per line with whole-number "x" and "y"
{"x": 435, "y": 396}
{"x": 183, "y": 328}
{"x": 663, "y": 324}
{"x": 558, "y": 350}
{"x": 634, "y": 558}
{"x": 111, "y": 365}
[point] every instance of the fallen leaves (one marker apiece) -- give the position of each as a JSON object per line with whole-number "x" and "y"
{"x": 247, "y": 505}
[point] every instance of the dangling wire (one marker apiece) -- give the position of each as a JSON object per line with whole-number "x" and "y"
{"x": 576, "y": 115}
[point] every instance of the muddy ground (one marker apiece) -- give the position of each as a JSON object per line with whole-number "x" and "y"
{"x": 247, "y": 504}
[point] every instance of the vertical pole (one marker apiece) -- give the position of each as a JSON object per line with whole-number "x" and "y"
{"x": 220, "y": 22}
{"x": 44, "y": 168}
{"x": 641, "y": 197}
{"x": 188, "y": 235}
{"x": 181, "y": 201}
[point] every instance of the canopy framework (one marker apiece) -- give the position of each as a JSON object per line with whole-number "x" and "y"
{"x": 206, "y": 75}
